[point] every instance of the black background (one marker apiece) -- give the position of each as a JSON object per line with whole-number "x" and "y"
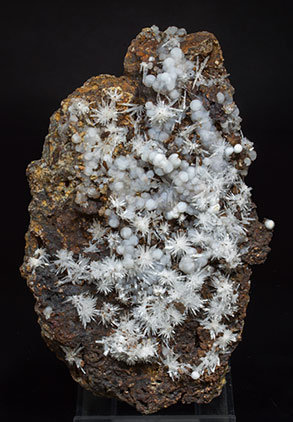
{"x": 50, "y": 49}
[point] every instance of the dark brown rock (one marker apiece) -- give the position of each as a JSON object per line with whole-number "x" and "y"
{"x": 57, "y": 221}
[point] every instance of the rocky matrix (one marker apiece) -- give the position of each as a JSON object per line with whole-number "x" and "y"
{"x": 142, "y": 229}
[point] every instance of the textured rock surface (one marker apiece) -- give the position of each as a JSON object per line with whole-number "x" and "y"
{"x": 66, "y": 201}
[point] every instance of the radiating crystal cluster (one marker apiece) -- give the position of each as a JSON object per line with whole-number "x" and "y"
{"x": 176, "y": 217}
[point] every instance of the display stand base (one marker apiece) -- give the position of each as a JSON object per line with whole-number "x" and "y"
{"x": 91, "y": 409}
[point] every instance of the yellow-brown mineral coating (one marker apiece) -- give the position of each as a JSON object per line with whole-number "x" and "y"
{"x": 58, "y": 222}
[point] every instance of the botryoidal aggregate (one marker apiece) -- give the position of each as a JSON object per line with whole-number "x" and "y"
{"x": 169, "y": 217}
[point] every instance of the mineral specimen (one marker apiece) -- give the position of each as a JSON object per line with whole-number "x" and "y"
{"x": 142, "y": 228}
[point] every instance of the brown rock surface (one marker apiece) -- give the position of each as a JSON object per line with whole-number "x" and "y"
{"x": 58, "y": 221}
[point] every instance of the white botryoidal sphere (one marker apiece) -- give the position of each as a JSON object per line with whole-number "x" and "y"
{"x": 151, "y": 204}
{"x": 220, "y": 97}
{"x": 126, "y": 232}
{"x": 269, "y": 224}
{"x": 114, "y": 221}
{"x": 177, "y": 53}
{"x": 187, "y": 265}
{"x": 195, "y": 375}
{"x": 195, "y": 105}
{"x": 238, "y": 148}
{"x": 175, "y": 160}
{"x": 181, "y": 206}
{"x": 149, "y": 80}
{"x": 183, "y": 176}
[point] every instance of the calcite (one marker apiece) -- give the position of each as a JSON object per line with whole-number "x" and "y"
{"x": 142, "y": 230}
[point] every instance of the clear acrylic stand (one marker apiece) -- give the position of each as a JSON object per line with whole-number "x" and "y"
{"x": 91, "y": 409}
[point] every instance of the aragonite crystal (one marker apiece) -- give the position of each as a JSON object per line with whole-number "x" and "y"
{"x": 142, "y": 228}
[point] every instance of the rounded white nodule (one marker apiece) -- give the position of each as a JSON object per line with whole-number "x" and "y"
{"x": 181, "y": 206}
{"x": 114, "y": 221}
{"x": 195, "y": 375}
{"x": 183, "y": 176}
{"x": 126, "y": 232}
{"x": 150, "y": 204}
{"x": 220, "y": 97}
{"x": 186, "y": 265}
{"x": 269, "y": 224}
{"x": 195, "y": 105}
{"x": 238, "y": 148}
